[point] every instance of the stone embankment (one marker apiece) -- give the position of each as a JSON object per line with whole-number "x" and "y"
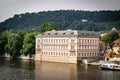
{"x": 114, "y": 59}
{"x": 97, "y": 63}
{"x": 103, "y": 61}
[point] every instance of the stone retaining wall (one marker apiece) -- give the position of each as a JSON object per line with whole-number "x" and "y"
{"x": 56, "y": 59}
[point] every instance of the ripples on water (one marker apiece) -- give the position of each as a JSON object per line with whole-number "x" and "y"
{"x": 34, "y": 70}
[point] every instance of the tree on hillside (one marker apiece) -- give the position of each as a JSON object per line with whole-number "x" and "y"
{"x": 64, "y": 19}
{"x": 46, "y": 27}
{"x": 28, "y": 47}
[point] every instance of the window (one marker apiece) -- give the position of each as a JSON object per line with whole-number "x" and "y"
{"x": 79, "y": 40}
{"x": 67, "y": 41}
{"x": 56, "y": 33}
{"x": 72, "y": 33}
{"x": 57, "y": 40}
{"x": 78, "y": 54}
{"x": 38, "y": 41}
{"x": 48, "y": 33}
{"x": 72, "y": 46}
{"x": 84, "y": 54}
{"x": 72, "y": 41}
{"x": 85, "y": 40}
{"x": 82, "y": 40}
{"x": 79, "y": 46}
{"x": 64, "y": 33}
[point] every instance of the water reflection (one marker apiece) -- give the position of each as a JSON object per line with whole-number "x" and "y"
{"x": 16, "y": 69}
{"x": 55, "y": 71}
{"x": 110, "y": 75}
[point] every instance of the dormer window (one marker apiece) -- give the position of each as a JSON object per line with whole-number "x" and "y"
{"x": 38, "y": 41}
{"x": 72, "y": 33}
{"x": 48, "y": 33}
{"x": 42, "y": 33}
{"x": 93, "y": 34}
{"x": 64, "y": 33}
{"x": 82, "y": 33}
{"x": 56, "y": 33}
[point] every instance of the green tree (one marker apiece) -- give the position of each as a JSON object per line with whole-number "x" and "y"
{"x": 119, "y": 35}
{"x": 18, "y": 43}
{"x": 111, "y": 55}
{"x": 110, "y": 38}
{"x": 28, "y": 47}
{"x": 3, "y": 42}
{"x": 9, "y": 48}
{"x": 64, "y": 19}
{"x": 46, "y": 27}
{"x": 15, "y": 42}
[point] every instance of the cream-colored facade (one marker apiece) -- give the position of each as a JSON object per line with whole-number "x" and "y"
{"x": 68, "y": 46}
{"x": 115, "y": 49}
{"x": 116, "y": 46}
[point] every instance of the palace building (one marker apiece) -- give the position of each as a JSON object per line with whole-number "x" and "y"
{"x": 68, "y": 46}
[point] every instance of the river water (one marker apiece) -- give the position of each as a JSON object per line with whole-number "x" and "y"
{"x": 16, "y": 69}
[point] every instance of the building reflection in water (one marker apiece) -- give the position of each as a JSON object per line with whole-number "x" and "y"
{"x": 61, "y": 71}
{"x": 110, "y": 75}
{"x": 55, "y": 71}
{"x": 16, "y": 69}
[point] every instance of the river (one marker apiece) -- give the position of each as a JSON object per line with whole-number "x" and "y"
{"x": 17, "y": 69}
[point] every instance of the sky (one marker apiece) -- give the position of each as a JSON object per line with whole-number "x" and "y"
{"x": 8, "y": 8}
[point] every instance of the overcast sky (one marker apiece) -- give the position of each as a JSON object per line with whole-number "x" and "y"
{"x": 8, "y": 8}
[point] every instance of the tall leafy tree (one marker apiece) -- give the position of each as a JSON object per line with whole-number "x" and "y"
{"x": 28, "y": 47}
{"x": 110, "y": 37}
{"x": 15, "y": 42}
{"x": 46, "y": 27}
{"x": 9, "y": 48}
{"x": 3, "y": 42}
{"x": 18, "y": 43}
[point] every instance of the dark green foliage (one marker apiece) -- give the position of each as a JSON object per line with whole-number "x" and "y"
{"x": 64, "y": 19}
{"x": 20, "y": 43}
{"x": 110, "y": 37}
{"x": 3, "y": 42}
{"x": 15, "y": 42}
{"x": 10, "y": 47}
{"x": 111, "y": 55}
{"x": 28, "y": 47}
{"x": 46, "y": 27}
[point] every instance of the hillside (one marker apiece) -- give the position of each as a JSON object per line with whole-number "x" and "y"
{"x": 65, "y": 19}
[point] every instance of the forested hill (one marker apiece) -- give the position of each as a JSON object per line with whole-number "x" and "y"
{"x": 65, "y": 19}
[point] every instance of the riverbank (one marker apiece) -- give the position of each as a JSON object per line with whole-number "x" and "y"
{"x": 103, "y": 61}
{"x": 20, "y": 57}
{"x": 97, "y": 63}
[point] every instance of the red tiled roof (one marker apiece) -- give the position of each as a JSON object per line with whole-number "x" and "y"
{"x": 116, "y": 43}
{"x": 108, "y": 52}
{"x": 113, "y": 52}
